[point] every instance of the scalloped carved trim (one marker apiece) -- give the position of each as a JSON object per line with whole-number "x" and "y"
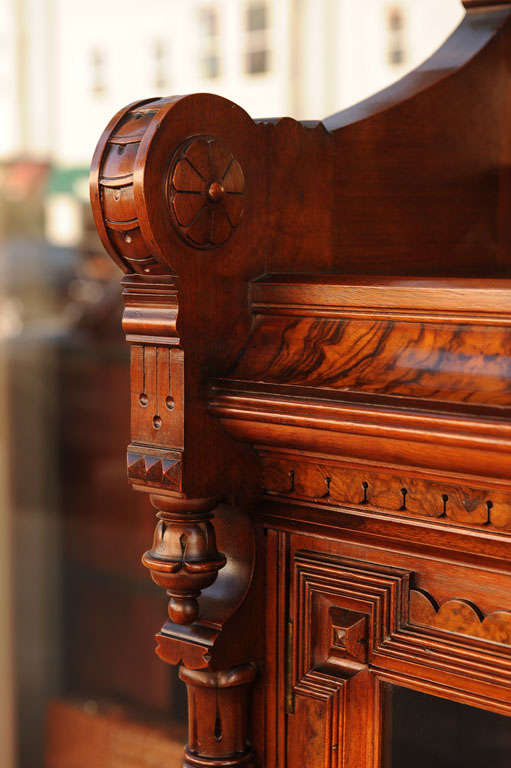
{"x": 461, "y": 617}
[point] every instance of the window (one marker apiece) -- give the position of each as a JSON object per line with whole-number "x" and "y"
{"x": 209, "y": 41}
{"x": 257, "y": 17}
{"x": 98, "y": 72}
{"x": 396, "y": 36}
{"x": 257, "y": 45}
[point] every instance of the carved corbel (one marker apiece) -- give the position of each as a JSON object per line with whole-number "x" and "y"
{"x": 170, "y": 182}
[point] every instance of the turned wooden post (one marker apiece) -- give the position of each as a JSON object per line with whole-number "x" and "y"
{"x": 218, "y": 709}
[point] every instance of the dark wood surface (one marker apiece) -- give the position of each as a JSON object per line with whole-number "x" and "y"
{"x": 81, "y": 733}
{"x": 319, "y": 322}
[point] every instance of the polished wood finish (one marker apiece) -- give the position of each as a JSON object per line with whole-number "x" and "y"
{"x": 319, "y": 320}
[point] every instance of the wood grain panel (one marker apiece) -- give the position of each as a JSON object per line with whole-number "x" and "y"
{"x": 461, "y": 363}
{"x": 313, "y": 730}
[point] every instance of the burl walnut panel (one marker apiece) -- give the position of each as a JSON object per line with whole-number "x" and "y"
{"x": 432, "y": 361}
{"x": 460, "y": 617}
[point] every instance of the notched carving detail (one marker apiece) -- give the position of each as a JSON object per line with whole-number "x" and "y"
{"x": 387, "y": 492}
{"x": 460, "y": 617}
{"x": 205, "y": 191}
{"x": 112, "y": 192}
{"x": 217, "y": 701}
{"x": 163, "y": 467}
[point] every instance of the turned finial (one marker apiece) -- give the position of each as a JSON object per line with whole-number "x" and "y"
{"x": 184, "y": 558}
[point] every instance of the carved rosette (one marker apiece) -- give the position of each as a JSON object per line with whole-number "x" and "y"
{"x": 206, "y": 192}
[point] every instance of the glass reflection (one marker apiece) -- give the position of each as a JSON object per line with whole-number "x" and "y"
{"x": 424, "y": 731}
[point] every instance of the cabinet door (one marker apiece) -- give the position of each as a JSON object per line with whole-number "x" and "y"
{"x": 339, "y": 609}
{"x": 362, "y": 683}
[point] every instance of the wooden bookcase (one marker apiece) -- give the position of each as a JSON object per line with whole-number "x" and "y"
{"x": 319, "y": 317}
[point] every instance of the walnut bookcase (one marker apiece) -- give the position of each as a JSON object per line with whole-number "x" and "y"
{"x": 319, "y": 317}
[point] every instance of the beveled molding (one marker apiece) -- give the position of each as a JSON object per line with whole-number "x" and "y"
{"x": 447, "y": 299}
{"x": 333, "y": 483}
{"x": 397, "y": 632}
{"x": 403, "y": 370}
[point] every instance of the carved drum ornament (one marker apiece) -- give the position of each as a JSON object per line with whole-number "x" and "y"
{"x": 205, "y": 192}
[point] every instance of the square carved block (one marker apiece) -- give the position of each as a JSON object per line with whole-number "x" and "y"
{"x": 349, "y": 634}
{"x": 344, "y": 608}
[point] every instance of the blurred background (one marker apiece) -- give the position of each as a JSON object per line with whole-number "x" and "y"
{"x": 81, "y": 686}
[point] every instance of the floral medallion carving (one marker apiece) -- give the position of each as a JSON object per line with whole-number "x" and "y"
{"x": 206, "y": 192}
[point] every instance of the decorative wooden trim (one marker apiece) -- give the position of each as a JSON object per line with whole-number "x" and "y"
{"x": 218, "y": 718}
{"x": 205, "y": 190}
{"x": 342, "y": 610}
{"x": 184, "y": 558}
{"x": 146, "y": 465}
{"x": 488, "y": 300}
{"x": 380, "y": 593}
{"x": 426, "y": 360}
{"x": 352, "y": 428}
{"x": 336, "y": 484}
{"x": 461, "y": 617}
{"x": 457, "y": 646}
{"x": 159, "y": 186}
{"x": 377, "y": 369}
{"x": 112, "y": 189}
{"x": 320, "y": 698}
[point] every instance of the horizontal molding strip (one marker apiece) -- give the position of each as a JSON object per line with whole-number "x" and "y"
{"x": 440, "y": 441}
{"x": 469, "y": 296}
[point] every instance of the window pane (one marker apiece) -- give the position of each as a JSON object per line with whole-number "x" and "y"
{"x": 396, "y": 56}
{"x": 424, "y": 731}
{"x": 208, "y": 22}
{"x": 210, "y": 67}
{"x": 396, "y": 19}
{"x": 257, "y": 17}
{"x": 257, "y": 62}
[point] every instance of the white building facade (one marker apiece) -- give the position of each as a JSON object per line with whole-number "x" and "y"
{"x": 67, "y": 66}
